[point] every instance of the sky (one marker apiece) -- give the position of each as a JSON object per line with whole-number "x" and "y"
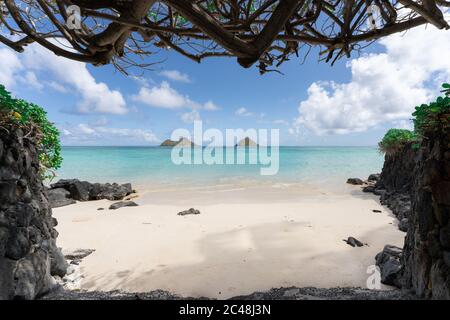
{"x": 352, "y": 103}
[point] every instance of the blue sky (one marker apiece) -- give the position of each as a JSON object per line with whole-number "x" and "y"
{"x": 314, "y": 103}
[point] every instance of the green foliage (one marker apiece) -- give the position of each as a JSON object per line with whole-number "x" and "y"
{"x": 33, "y": 117}
{"x": 427, "y": 118}
{"x": 435, "y": 115}
{"x": 394, "y": 140}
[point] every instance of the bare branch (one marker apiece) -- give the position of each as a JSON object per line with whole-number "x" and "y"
{"x": 124, "y": 32}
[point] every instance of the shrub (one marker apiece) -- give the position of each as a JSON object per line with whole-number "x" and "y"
{"x": 395, "y": 139}
{"x": 33, "y": 119}
{"x": 433, "y": 116}
{"x": 427, "y": 118}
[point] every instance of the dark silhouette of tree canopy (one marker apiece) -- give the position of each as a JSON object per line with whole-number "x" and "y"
{"x": 266, "y": 31}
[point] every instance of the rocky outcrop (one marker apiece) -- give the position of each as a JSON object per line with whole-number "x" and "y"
{"x": 122, "y": 204}
{"x": 168, "y": 143}
{"x": 351, "y": 241}
{"x": 246, "y": 142}
{"x": 182, "y": 142}
{"x": 396, "y": 176}
{"x": 28, "y": 252}
{"x": 110, "y": 191}
{"x": 415, "y": 184}
{"x": 65, "y": 191}
{"x": 355, "y": 181}
{"x": 75, "y": 256}
{"x": 74, "y": 277}
{"x": 395, "y": 183}
{"x": 400, "y": 205}
{"x": 59, "y": 197}
{"x": 390, "y": 266}
{"x": 188, "y": 212}
{"x": 427, "y": 242}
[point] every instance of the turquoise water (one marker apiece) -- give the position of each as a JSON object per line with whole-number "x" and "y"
{"x": 153, "y": 165}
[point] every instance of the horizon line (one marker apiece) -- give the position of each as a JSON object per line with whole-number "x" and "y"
{"x": 150, "y": 146}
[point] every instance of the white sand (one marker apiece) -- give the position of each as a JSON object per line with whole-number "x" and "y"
{"x": 231, "y": 248}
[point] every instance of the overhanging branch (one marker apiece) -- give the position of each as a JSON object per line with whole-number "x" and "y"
{"x": 264, "y": 31}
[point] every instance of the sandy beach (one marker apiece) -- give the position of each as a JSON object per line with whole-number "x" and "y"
{"x": 232, "y": 247}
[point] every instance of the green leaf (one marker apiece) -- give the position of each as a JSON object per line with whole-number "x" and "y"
{"x": 24, "y": 114}
{"x": 394, "y": 139}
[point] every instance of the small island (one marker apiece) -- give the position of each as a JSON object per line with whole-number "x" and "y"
{"x": 246, "y": 142}
{"x": 182, "y": 142}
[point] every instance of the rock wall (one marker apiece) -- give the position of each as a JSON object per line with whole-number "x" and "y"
{"x": 28, "y": 253}
{"x": 396, "y": 184}
{"x": 422, "y": 179}
{"x": 426, "y": 254}
{"x": 396, "y": 176}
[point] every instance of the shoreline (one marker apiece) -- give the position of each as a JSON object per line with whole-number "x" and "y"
{"x": 326, "y": 167}
{"x": 226, "y": 252}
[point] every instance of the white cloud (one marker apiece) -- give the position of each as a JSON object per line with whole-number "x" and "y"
{"x": 57, "y": 87}
{"x": 10, "y": 65}
{"x": 190, "y": 117}
{"x": 403, "y": 124}
{"x": 31, "y": 80}
{"x": 210, "y": 106}
{"x": 175, "y": 75}
{"x": 84, "y": 133}
{"x": 243, "y": 112}
{"x": 84, "y": 128}
{"x": 385, "y": 87}
{"x": 96, "y": 97}
{"x": 66, "y": 132}
{"x": 144, "y": 82}
{"x": 164, "y": 96}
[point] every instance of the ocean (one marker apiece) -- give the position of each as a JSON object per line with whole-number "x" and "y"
{"x": 154, "y": 166}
